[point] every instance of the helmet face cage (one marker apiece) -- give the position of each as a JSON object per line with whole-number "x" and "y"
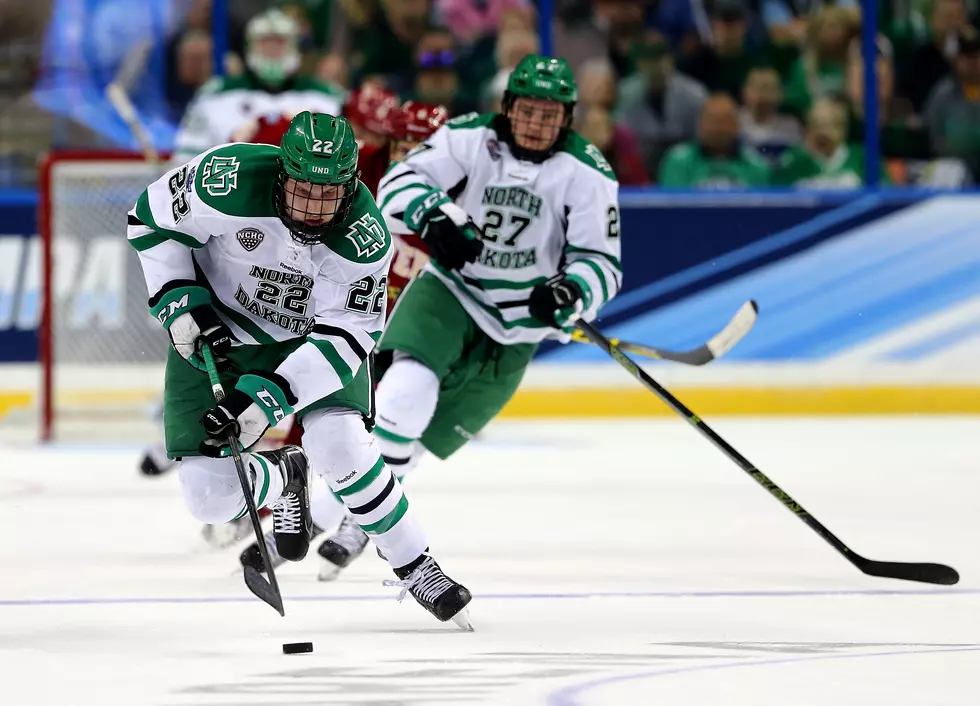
{"x": 536, "y": 127}
{"x": 542, "y": 80}
{"x": 312, "y": 211}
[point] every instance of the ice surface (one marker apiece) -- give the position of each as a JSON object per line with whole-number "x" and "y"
{"x": 613, "y": 563}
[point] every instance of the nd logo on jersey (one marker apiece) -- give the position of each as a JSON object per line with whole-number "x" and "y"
{"x": 220, "y": 175}
{"x": 367, "y": 235}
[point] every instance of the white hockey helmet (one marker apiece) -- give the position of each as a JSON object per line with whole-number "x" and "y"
{"x": 277, "y": 68}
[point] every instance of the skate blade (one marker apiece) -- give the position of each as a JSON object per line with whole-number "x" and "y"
{"x": 328, "y": 571}
{"x": 462, "y": 619}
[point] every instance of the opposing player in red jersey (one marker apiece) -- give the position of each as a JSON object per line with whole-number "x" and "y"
{"x": 370, "y": 111}
{"x": 413, "y": 124}
{"x": 404, "y": 128}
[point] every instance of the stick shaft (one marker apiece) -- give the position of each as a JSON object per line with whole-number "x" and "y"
{"x": 930, "y": 573}
{"x": 275, "y": 599}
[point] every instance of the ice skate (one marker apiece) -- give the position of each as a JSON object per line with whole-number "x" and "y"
{"x": 291, "y": 522}
{"x": 251, "y": 556}
{"x": 434, "y": 591}
{"x": 341, "y": 548}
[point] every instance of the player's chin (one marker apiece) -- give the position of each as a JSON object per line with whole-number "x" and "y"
{"x": 535, "y": 143}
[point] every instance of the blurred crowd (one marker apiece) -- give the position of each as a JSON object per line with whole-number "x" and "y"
{"x": 680, "y": 93}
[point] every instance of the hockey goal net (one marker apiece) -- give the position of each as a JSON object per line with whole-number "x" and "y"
{"x": 101, "y": 353}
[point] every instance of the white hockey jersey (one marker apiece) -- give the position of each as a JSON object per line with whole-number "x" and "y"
{"x": 225, "y": 104}
{"x": 537, "y": 220}
{"x": 213, "y": 221}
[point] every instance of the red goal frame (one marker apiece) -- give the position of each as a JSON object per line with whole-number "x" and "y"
{"x": 46, "y": 174}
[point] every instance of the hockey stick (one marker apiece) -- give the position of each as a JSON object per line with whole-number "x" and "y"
{"x": 926, "y": 573}
{"x": 118, "y": 94}
{"x": 724, "y": 341}
{"x": 268, "y": 591}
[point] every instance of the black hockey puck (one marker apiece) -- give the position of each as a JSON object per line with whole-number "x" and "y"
{"x": 297, "y": 648}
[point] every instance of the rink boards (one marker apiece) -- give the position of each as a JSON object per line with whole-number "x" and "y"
{"x": 866, "y": 307}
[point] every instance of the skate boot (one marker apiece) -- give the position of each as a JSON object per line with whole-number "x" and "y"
{"x": 253, "y": 557}
{"x": 434, "y": 591}
{"x": 291, "y": 522}
{"x": 341, "y": 548}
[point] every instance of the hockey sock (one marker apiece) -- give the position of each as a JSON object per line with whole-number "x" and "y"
{"x": 213, "y": 493}
{"x": 326, "y": 508}
{"x": 348, "y": 458}
{"x": 407, "y": 396}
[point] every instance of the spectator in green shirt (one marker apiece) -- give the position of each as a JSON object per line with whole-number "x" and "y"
{"x": 819, "y": 71}
{"x": 716, "y": 160}
{"x": 824, "y": 160}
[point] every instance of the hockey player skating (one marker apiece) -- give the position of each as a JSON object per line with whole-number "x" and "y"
{"x": 228, "y": 107}
{"x": 385, "y": 131}
{"x": 546, "y": 252}
{"x": 277, "y": 259}
{"x": 404, "y": 127}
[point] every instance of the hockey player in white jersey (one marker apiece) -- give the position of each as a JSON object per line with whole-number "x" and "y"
{"x": 521, "y": 217}
{"x": 270, "y": 86}
{"x": 277, "y": 258}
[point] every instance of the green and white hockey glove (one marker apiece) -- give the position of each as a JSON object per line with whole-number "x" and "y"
{"x": 184, "y": 309}
{"x": 560, "y": 301}
{"x": 260, "y": 399}
{"x": 452, "y": 237}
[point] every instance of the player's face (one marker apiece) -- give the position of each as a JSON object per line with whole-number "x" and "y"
{"x": 272, "y": 46}
{"x": 400, "y": 148}
{"x": 535, "y": 123}
{"x": 312, "y": 204}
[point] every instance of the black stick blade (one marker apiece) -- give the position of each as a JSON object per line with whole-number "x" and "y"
{"x": 263, "y": 589}
{"x": 923, "y": 573}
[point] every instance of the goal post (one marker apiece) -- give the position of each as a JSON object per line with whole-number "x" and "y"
{"x": 101, "y": 355}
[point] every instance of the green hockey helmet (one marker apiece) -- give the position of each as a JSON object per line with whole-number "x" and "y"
{"x": 540, "y": 78}
{"x": 537, "y": 76}
{"x": 317, "y": 176}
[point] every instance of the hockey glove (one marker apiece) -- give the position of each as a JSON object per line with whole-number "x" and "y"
{"x": 259, "y": 400}
{"x": 453, "y": 239}
{"x": 184, "y": 309}
{"x": 559, "y": 302}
